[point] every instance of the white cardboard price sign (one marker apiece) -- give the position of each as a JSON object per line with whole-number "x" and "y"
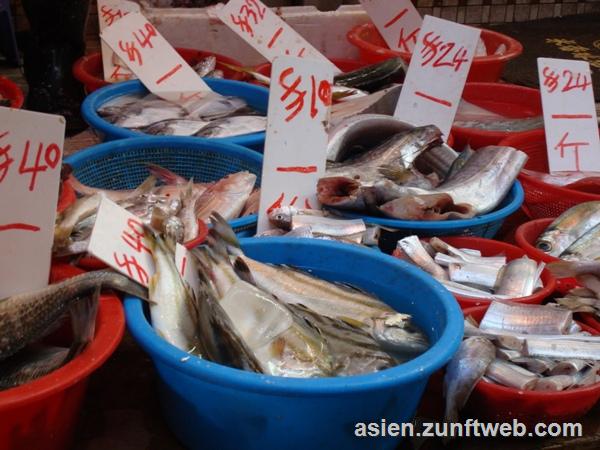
{"x": 437, "y": 73}
{"x": 569, "y": 115}
{"x": 398, "y": 21}
{"x": 119, "y": 240}
{"x": 296, "y": 141}
{"x": 264, "y": 30}
{"x": 187, "y": 268}
{"x": 31, "y": 148}
{"x": 109, "y": 11}
{"x": 153, "y": 60}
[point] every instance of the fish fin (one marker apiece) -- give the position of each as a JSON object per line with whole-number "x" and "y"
{"x": 398, "y": 174}
{"x": 124, "y": 284}
{"x": 224, "y": 231}
{"x": 165, "y": 175}
{"x": 83, "y": 322}
{"x": 243, "y": 271}
{"x": 148, "y": 184}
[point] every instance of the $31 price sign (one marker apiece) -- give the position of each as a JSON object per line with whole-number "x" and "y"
{"x": 569, "y": 115}
{"x": 296, "y": 142}
{"x": 31, "y": 148}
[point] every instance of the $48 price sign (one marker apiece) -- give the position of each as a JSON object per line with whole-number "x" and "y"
{"x": 569, "y": 115}
{"x": 437, "y": 73}
{"x": 30, "y": 162}
{"x": 296, "y": 142}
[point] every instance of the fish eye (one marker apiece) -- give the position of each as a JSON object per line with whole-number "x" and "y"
{"x": 544, "y": 246}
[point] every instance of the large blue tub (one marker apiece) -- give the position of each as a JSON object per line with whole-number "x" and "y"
{"x": 210, "y": 406}
{"x": 255, "y": 96}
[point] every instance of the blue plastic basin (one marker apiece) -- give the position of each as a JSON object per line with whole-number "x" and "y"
{"x": 122, "y": 164}
{"x": 485, "y": 226}
{"x": 209, "y": 406}
{"x": 256, "y": 96}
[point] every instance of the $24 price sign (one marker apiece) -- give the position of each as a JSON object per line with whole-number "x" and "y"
{"x": 31, "y": 147}
{"x": 266, "y": 32}
{"x": 569, "y": 115}
{"x": 437, "y": 73}
{"x": 119, "y": 240}
{"x": 153, "y": 60}
{"x": 296, "y": 141}
{"x": 109, "y": 11}
{"x": 398, "y": 21}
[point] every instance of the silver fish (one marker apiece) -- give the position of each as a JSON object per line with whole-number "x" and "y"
{"x": 588, "y": 349}
{"x": 568, "y": 227}
{"x": 587, "y": 247}
{"x": 569, "y": 367}
{"x": 282, "y": 217}
{"x": 206, "y": 65}
{"x": 214, "y": 106}
{"x": 559, "y": 178}
{"x": 555, "y": 383}
{"x": 474, "y": 274}
{"x": 526, "y": 319}
{"x": 412, "y": 247}
{"x": 464, "y": 370}
{"x": 535, "y": 365}
{"x": 176, "y": 127}
{"x": 511, "y": 375}
{"x": 233, "y": 126}
{"x": 518, "y": 278}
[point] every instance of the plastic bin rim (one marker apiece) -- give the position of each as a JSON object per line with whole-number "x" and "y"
{"x": 514, "y": 47}
{"x": 107, "y": 93}
{"x": 102, "y": 347}
{"x": 424, "y": 365}
{"x": 516, "y": 195}
{"x": 17, "y": 97}
{"x": 118, "y": 146}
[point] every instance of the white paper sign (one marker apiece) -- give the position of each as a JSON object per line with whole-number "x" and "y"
{"x": 398, "y": 21}
{"x": 186, "y": 265}
{"x": 569, "y": 115}
{"x": 264, "y": 30}
{"x": 119, "y": 240}
{"x": 109, "y": 11}
{"x": 437, "y": 73}
{"x": 153, "y": 60}
{"x": 31, "y": 149}
{"x": 296, "y": 141}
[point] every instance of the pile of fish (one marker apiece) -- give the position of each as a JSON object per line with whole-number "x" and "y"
{"x": 381, "y": 166}
{"x": 469, "y": 115}
{"x": 212, "y": 116}
{"x": 574, "y": 235}
{"x": 465, "y": 272}
{"x": 525, "y": 347}
{"x": 27, "y": 318}
{"x": 207, "y": 67}
{"x": 273, "y": 319}
{"x": 586, "y": 297}
{"x": 320, "y": 224}
{"x": 173, "y": 207}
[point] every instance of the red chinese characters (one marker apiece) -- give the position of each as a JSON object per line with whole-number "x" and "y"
{"x": 294, "y": 94}
{"x": 440, "y": 53}
{"x": 566, "y": 81}
{"x": 120, "y": 74}
{"x": 403, "y": 40}
{"x": 280, "y": 201}
{"x": 250, "y": 14}
{"x": 565, "y": 143}
{"x": 143, "y": 38}
{"x": 46, "y": 157}
{"x": 133, "y": 236}
{"x": 109, "y": 15}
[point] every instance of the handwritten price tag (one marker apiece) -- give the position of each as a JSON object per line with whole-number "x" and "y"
{"x": 437, "y": 73}
{"x": 119, "y": 239}
{"x": 31, "y": 149}
{"x": 398, "y": 21}
{"x": 187, "y": 268}
{"x": 152, "y": 59}
{"x": 569, "y": 115}
{"x": 264, "y": 30}
{"x": 109, "y": 11}
{"x": 294, "y": 157}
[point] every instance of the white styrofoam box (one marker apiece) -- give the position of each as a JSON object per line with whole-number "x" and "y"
{"x": 200, "y": 28}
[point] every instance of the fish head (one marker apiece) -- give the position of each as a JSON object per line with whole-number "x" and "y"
{"x": 282, "y": 217}
{"x": 551, "y": 241}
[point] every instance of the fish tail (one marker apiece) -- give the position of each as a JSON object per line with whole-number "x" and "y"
{"x": 148, "y": 184}
{"x": 114, "y": 280}
{"x": 222, "y": 230}
{"x": 83, "y": 322}
{"x": 165, "y": 175}
{"x": 243, "y": 271}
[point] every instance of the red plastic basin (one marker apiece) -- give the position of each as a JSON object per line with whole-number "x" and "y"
{"x": 490, "y": 247}
{"x": 508, "y": 100}
{"x": 43, "y": 414}
{"x": 526, "y": 235}
{"x": 12, "y": 92}
{"x": 542, "y": 199}
{"x": 497, "y": 403}
{"x": 373, "y": 49}
{"x": 88, "y": 69}
{"x": 345, "y": 65}
{"x": 67, "y": 196}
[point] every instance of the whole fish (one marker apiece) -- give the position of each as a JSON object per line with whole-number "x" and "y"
{"x": 568, "y": 227}
{"x": 147, "y": 112}
{"x": 587, "y": 247}
{"x": 227, "y": 196}
{"x": 392, "y": 158}
{"x": 282, "y": 217}
{"x": 24, "y": 318}
{"x": 412, "y": 247}
{"x": 176, "y": 127}
{"x": 214, "y": 106}
{"x": 464, "y": 371}
{"x": 518, "y": 278}
{"x": 233, "y": 126}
